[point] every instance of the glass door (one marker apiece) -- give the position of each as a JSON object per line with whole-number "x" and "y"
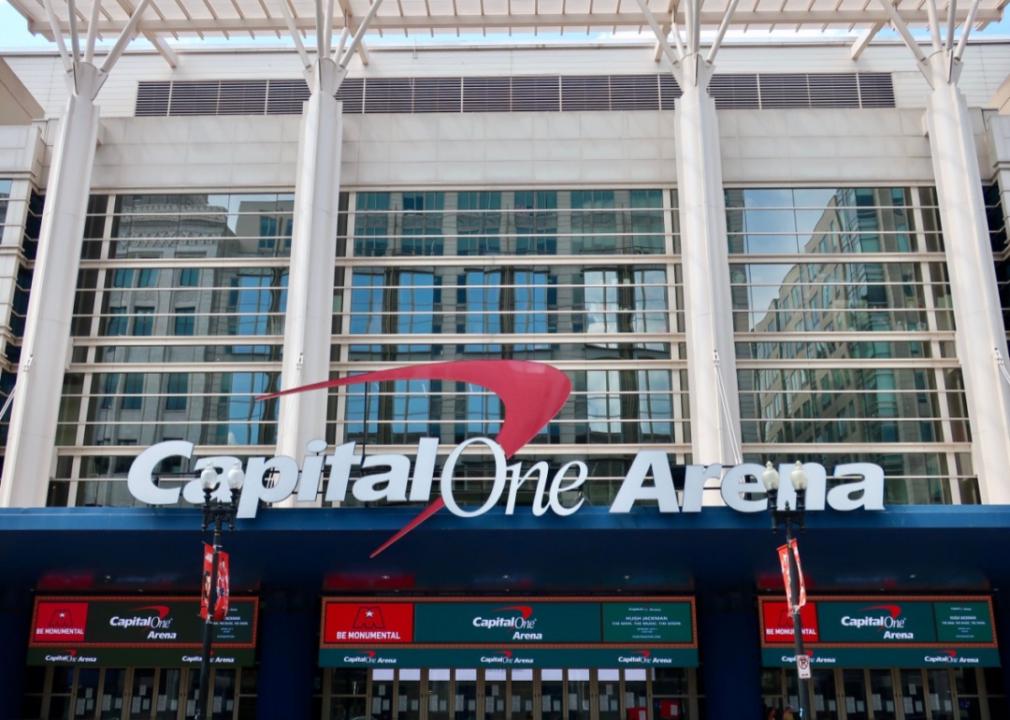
{"x": 408, "y": 694}
{"x": 552, "y": 695}
{"x": 636, "y": 694}
{"x": 380, "y": 699}
{"x": 496, "y": 694}
{"x": 579, "y": 694}
{"x": 521, "y": 696}
{"x": 608, "y": 693}
{"x": 439, "y": 689}
{"x": 465, "y": 695}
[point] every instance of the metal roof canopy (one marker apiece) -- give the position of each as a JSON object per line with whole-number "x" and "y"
{"x": 161, "y": 19}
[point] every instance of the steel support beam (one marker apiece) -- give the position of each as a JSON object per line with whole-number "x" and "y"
{"x": 476, "y": 22}
{"x": 45, "y": 351}
{"x": 864, "y": 40}
{"x": 711, "y": 359}
{"x": 974, "y": 294}
{"x": 313, "y": 258}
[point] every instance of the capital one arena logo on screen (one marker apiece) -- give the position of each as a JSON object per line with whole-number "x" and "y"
{"x": 531, "y": 394}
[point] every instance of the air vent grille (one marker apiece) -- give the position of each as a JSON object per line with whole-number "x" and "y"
{"x": 528, "y": 93}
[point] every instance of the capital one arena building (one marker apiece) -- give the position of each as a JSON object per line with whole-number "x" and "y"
{"x": 670, "y": 251}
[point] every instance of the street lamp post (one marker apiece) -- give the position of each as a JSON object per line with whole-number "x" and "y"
{"x": 216, "y": 512}
{"x": 792, "y": 514}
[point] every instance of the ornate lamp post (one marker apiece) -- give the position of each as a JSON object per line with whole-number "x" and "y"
{"x": 219, "y": 507}
{"x": 791, "y": 515}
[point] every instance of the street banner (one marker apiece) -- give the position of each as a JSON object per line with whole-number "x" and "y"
{"x": 787, "y": 573}
{"x": 221, "y": 602}
{"x": 208, "y": 569}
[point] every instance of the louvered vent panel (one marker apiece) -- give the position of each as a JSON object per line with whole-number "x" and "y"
{"x": 539, "y": 93}
{"x": 389, "y": 95}
{"x": 285, "y": 97}
{"x": 486, "y": 94}
{"x": 734, "y": 92}
{"x": 669, "y": 91}
{"x": 352, "y": 94}
{"x": 242, "y": 97}
{"x": 152, "y": 99}
{"x": 876, "y": 90}
{"x": 787, "y": 90}
{"x": 194, "y": 97}
{"x": 585, "y": 92}
{"x": 438, "y": 94}
{"x": 634, "y": 92}
{"x": 833, "y": 90}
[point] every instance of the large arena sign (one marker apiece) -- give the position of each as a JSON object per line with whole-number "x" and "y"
{"x": 883, "y": 631}
{"x": 143, "y": 631}
{"x": 508, "y": 632}
{"x": 532, "y": 394}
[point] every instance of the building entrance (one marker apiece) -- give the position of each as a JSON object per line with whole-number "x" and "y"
{"x": 892, "y": 693}
{"x": 510, "y": 694}
{"x": 67, "y": 693}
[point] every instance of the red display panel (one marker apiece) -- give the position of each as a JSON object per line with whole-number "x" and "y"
{"x": 368, "y": 622}
{"x": 778, "y": 623}
{"x": 58, "y": 621}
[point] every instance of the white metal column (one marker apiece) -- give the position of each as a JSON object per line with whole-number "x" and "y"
{"x": 711, "y": 362}
{"x": 45, "y": 350}
{"x": 309, "y": 312}
{"x": 981, "y": 338}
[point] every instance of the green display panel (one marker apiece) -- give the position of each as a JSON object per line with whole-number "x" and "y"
{"x": 506, "y": 622}
{"x": 963, "y": 622}
{"x": 822, "y": 657}
{"x": 887, "y": 622}
{"x": 504, "y": 657}
{"x": 647, "y": 622}
{"x": 104, "y": 631}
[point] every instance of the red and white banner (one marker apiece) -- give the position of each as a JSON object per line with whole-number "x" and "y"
{"x": 787, "y": 574}
{"x": 205, "y": 583}
{"x": 221, "y": 602}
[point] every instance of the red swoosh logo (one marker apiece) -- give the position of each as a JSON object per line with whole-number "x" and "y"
{"x": 532, "y": 394}
{"x": 161, "y": 610}
{"x": 525, "y": 610}
{"x": 893, "y": 610}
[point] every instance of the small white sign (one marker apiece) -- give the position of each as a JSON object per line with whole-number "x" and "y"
{"x": 803, "y": 666}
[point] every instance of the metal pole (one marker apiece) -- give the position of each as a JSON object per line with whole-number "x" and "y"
{"x": 794, "y": 599}
{"x": 208, "y": 626}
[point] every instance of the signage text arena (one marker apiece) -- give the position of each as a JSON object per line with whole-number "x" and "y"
{"x": 397, "y": 479}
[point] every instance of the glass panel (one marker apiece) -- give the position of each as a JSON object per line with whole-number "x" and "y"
{"x": 854, "y": 687}
{"x": 111, "y": 702}
{"x": 465, "y": 696}
{"x": 636, "y": 699}
{"x": 380, "y": 703}
{"x": 439, "y": 687}
{"x": 551, "y": 695}
{"x": 882, "y": 699}
{"x": 86, "y": 699}
{"x": 167, "y": 704}
{"x": 223, "y": 699}
{"x": 608, "y": 687}
{"x": 521, "y": 700}
{"x": 496, "y": 705}
{"x": 913, "y": 699}
{"x": 941, "y": 697}
{"x": 822, "y": 690}
{"x": 578, "y": 695}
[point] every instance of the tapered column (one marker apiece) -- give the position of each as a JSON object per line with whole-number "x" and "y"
{"x": 711, "y": 363}
{"x": 45, "y": 351}
{"x": 313, "y": 259}
{"x": 980, "y": 334}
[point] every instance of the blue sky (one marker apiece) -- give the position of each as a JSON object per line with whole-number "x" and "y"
{"x": 14, "y": 32}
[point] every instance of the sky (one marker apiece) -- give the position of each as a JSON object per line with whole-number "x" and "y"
{"x": 14, "y": 34}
